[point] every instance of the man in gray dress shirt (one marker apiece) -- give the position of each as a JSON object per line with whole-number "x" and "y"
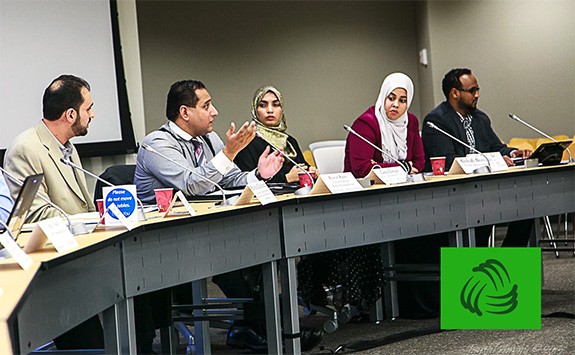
{"x": 188, "y": 138}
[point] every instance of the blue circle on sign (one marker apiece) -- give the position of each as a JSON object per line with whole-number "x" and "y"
{"x": 123, "y": 199}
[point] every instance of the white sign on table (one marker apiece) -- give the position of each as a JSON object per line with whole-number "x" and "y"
{"x": 14, "y": 250}
{"x": 388, "y": 176}
{"x": 53, "y": 229}
{"x": 260, "y": 190}
{"x": 180, "y": 195}
{"x": 467, "y": 164}
{"x": 336, "y": 184}
{"x": 124, "y": 197}
{"x": 126, "y": 222}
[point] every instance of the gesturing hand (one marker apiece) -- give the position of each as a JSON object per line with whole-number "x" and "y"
{"x": 269, "y": 164}
{"x": 238, "y": 140}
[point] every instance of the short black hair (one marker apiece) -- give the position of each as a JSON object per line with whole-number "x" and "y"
{"x": 451, "y": 80}
{"x": 63, "y": 93}
{"x": 182, "y": 93}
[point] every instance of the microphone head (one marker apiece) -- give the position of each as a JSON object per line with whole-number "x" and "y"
{"x": 513, "y": 117}
{"x": 258, "y": 134}
{"x": 347, "y": 128}
{"x": 430, "y": 124}
{"x": 64, "y": 160}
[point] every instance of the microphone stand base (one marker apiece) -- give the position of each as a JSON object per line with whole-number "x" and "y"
{"x": 306, "y": 190}
{"x": 482, "y": 170}
{"x": 415, "y": 178}
{"x": 79, "y": 228}
{"x": 230, "y": 201}
{"x": 142, "y": 216}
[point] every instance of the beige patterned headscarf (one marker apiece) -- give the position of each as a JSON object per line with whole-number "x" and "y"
{"x": 275, "y": 134}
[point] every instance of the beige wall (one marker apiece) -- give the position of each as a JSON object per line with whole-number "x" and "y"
{"x": 522, "y": 53}
{"x": 327, "y": 58}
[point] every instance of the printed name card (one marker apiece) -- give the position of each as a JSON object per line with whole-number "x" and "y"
{"x": 467, "y": 164}
{"x": 14, "y": 250}
{"x": 336, "y": 184}
{"x": 124, "y": 198}
{"x": 53, "y": 229}
{"x": 180, "y": 195}
{"x": 388, "y": 176}
{"x": 260, "y": 190}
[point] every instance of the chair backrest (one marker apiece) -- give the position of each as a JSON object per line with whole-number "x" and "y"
{"x": 117, "y": 175}
{"x": 308, "y": 157}
{"x": 328, "y": 156}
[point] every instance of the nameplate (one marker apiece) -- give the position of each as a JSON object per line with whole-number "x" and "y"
{"x": 180, "y": 196}
{"x": 124, "y": 198}
{"x": 336, "y": 184}
{"x": 260, "y": 190}
{"x": 14, "y": 250}
{"x": 58, "y": 233}
{"x": 471, "y": 162}
{"x": 114, "y": 211}
{"x": 388, "y": 176}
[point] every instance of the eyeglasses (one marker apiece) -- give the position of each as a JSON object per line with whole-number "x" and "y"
{"x": 472, "y": 91}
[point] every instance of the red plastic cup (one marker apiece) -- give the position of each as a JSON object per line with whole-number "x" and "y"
{"x": 164, "y": 198}
{"x": 438, "y": 165}
{"x": 304, "y": 179}
{"x": 100, "y": 205}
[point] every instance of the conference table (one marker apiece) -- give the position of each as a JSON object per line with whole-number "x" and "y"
{"x": 113, "y": 265}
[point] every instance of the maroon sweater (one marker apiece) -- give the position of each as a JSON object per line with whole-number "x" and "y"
{"x": 358, "y": 154}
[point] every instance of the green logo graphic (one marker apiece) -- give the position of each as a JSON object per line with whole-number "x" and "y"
{"x": 491, "y": 288}
{"x": 501, "y": 282}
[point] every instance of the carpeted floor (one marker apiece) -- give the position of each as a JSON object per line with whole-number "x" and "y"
{"x": 557, "y": 335}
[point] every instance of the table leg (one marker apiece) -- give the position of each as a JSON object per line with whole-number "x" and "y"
{"x": 201, "y": 329}
{"x": 390, "y": 288}
{"x": 120, "y": 328}
{"x": 290, "y": 306}
{"x": 272, "y": 306}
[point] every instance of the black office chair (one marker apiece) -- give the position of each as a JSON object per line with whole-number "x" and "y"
{"x": 117, "y": 175}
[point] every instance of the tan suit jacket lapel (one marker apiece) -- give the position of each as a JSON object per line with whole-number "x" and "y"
{"x": 55, "y": 153}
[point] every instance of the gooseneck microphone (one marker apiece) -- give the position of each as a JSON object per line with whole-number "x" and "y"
{"x": 152, "y": 150}
{"x": 302, "y": 191}
{"x": 515, "y": 118}
{"x": 430, "y": 124}
{"x": 74, "y": 166}
{"x": 75, "y": 230}
{"x": 402, "y": 164}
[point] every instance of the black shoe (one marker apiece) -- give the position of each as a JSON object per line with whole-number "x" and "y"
{"x": 310, "y": 338}
{"x": 246, "y": 338}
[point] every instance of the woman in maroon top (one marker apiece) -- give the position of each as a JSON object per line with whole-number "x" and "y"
{"x": 389, "y": 126}
{"x": 355, "y": 275}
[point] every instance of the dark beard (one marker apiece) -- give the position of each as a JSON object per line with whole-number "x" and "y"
{"x": 78, "y": 130}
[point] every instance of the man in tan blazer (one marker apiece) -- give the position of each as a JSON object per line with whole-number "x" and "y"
{"x": 67, "y": 108}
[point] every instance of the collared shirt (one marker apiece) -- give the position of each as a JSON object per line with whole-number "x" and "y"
{"x": 66, "y": 149}
{"x": 6, "y": 203}
{"x": 220, "y": 160}
{"x": 466, "y": 122}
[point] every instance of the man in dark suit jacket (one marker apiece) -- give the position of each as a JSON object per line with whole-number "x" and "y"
{"x": 454, "y": 115}
{"x": 459, "y": 116}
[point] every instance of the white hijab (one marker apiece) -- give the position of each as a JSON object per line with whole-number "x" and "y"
{"x": 393, "y": 133}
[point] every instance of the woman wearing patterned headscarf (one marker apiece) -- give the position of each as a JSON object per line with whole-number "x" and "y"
{"x": 268, "y": 113}
{"x": 389, "y": 126}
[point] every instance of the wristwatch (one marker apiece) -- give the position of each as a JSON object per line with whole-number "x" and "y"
{"x": 259, "y": 177}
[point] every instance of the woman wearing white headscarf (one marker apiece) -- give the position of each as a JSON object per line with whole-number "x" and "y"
{"x": 389, "y": 126}
{"x": 357, "y": 273}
